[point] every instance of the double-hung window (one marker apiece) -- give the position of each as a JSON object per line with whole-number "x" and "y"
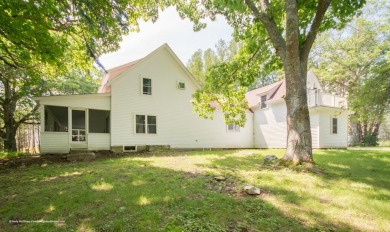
{"x": 147, "y": 86}
{"x": 145, "y": 124}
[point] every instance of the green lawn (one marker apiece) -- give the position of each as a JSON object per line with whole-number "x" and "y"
{"x": 176, "y": 191}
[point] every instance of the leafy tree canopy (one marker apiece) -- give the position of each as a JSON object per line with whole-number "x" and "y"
{"x": 53, "y": 32}
{"x": 275, "y": 34}
{"x": 260, "y": 26}
{"x": 356, "y": 61}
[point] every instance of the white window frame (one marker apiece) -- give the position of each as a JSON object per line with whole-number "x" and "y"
{"x": 332, "y": 125}
{"x": 265, "y": 102}
{"x": 126, "y": 150}
{"x": 236, "y": 128}
{"x": 142, "y": 86}
{"x": 146, "y": 124}
{"x": 179, "y": 87}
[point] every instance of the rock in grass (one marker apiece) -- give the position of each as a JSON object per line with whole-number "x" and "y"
{"x": 220, "y": 178}
{"x": 270, "y": 158}
{"x": 252, "y": 190}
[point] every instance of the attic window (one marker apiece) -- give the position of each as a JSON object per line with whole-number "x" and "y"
{"x": 263, "y": 103}
{"x": 181, "y": 85}
{"x": 147, "y": 86}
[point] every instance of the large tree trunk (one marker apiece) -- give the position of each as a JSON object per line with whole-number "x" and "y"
{"x": 299, "y": 147}
{"x": 9, "y": 107}
{"x": 299, "y": 142}
{"x": 10, "y": 140}
{"x": 294, "y": 53}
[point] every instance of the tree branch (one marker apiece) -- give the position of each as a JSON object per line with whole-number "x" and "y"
{"x": 322, "y": 7}
{"x": 269, "y": 24}
{"x": 27, "y": 116}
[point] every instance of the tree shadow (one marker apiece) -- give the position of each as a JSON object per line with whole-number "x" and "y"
{"x": 367, "y": 173}
{"x": 134, "y": 195}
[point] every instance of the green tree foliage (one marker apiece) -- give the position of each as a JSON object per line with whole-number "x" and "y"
{"x": 200, "y": 62}
{"x": 275, "y": 34}
{"x": 18, "y": 86}
{"x": 47, "y": 31}
{"x": 356, "y": 60}
{"x": 50, "y": 46}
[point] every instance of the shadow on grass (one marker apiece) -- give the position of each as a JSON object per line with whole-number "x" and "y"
{"x": 132, "y": 195}
{"x": 368, "y": 167}
{"x": 366, "y": 175}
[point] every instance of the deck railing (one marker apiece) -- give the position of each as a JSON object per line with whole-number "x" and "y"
{"x": 317, "y": 98}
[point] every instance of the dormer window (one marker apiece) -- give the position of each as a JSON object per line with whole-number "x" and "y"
{"x": 263, "y": 103}
{"x": 147, "y": 86}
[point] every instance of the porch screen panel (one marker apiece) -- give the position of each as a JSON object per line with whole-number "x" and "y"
{"x": 56, "y": 118}
{"x": 99, "y": 121}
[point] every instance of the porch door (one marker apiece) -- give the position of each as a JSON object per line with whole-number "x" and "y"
{"x": 78, "y": 126}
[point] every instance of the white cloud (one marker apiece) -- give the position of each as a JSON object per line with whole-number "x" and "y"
{"x": 171, "y": 29}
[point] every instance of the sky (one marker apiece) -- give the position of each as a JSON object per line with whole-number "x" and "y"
{"x": 171, "y": 29}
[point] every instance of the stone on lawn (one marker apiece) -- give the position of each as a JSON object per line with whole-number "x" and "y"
{"x": 252, "y": 190}
{"x": 270, "y": 158}
{"x": 220, "y": 178}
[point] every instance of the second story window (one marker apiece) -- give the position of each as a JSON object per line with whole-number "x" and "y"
{"x": 147, "y": 86}
{"x": 263, "y": 103}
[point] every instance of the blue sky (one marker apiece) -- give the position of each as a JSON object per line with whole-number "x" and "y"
{"x": 169, "y": 28}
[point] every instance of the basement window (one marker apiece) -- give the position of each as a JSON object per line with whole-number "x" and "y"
{"x": 56, "y": 119}
{"x": 129, "y": 148}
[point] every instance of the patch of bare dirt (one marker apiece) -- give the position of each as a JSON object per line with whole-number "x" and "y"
{"x": 47, "y": 159}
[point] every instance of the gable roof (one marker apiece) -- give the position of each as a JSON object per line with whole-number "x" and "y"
{"x": 115, "y": 73}
{"x": 274, "y": 91}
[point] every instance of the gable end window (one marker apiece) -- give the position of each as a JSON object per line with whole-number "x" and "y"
{"x": 263, "y": 103}
{"x": 233, "y": 128}
{"x": 145, "y": 124}
{"x": 147, "y": 86}
{"x": 181, "y": 85}
{"x": 334, "y": 125}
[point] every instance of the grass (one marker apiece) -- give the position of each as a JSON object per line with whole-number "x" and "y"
{"x": 176, "y": 191}
{"x": 12, "y": 154}
{"x": 384, "y": 143}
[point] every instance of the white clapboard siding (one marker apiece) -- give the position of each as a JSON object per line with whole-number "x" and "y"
{"x": 177, "y": 125}
{"x": 54, "y": 142}
{"x": 315, "y": 129}
{"x": 329, "y": 140}
{"x": 99, "y": 141}
{"x": 270, "y": 127}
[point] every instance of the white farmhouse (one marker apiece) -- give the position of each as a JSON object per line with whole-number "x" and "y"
{"x": 148, "y": 103}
